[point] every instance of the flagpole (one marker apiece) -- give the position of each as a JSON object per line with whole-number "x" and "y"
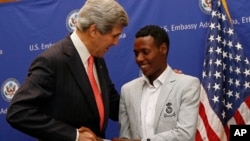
{"x": 224, "y": 3}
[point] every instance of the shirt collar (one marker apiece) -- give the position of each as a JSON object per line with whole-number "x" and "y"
{"x": 158, "y": 81}
{"x": 80, "y": 47}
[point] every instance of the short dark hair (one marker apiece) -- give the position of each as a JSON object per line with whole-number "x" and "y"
{"x": 159, "y": 34}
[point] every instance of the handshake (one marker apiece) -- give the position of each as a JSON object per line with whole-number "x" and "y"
{"x": 118, "y": 139}
{"x": 86, "y": 134}
{"x": 123, "y": 139}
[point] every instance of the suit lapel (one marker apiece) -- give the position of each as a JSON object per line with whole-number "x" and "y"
{"x": 136, "y": 97}
{"x": 78, "y": 72}
{"x": 103, "y": 84}
{"x": 164, "y": 94}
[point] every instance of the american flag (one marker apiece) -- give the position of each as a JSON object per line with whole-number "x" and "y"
{"x": 225, "y": 94}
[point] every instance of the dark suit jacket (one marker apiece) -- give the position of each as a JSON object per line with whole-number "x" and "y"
{"x": 56, "y": 97}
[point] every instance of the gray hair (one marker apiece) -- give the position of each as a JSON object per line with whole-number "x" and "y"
{"x": 106, "y": 14}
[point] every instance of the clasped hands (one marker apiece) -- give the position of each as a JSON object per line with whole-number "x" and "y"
{"x": 85, "y": 134}
{"x": 123, "y": 139}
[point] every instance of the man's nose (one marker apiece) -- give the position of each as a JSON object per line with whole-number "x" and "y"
{"x": 139, "y": 57}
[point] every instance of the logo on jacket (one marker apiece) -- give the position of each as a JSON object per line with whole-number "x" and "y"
{"x": 9, "y": 88}
{"x": 205, "y": 6}
{"x": 71, "y": 20}
{"x": 169, "y": 111}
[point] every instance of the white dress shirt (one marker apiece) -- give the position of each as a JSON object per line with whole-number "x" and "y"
{"x": 150, "y": 94}
{"x": 84, "y": 53}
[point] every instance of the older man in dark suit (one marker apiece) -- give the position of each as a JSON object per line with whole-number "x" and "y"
{"x": 56, "y": 102}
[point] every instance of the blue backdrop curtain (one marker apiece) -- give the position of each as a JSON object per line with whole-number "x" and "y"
{"x": 28, "y": 27}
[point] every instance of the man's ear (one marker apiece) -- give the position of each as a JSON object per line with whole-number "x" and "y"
{"x": 93, "y": 30}
{"x": 163, "y": 48}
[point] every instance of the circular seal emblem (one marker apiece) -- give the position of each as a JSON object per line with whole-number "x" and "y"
{"x": 205, "y": 6}
{"x": 169, "y": 112}
{"x": 9, "y": 88}
{"x": 71, "y": 20}
{"x": 169, "y": 108}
